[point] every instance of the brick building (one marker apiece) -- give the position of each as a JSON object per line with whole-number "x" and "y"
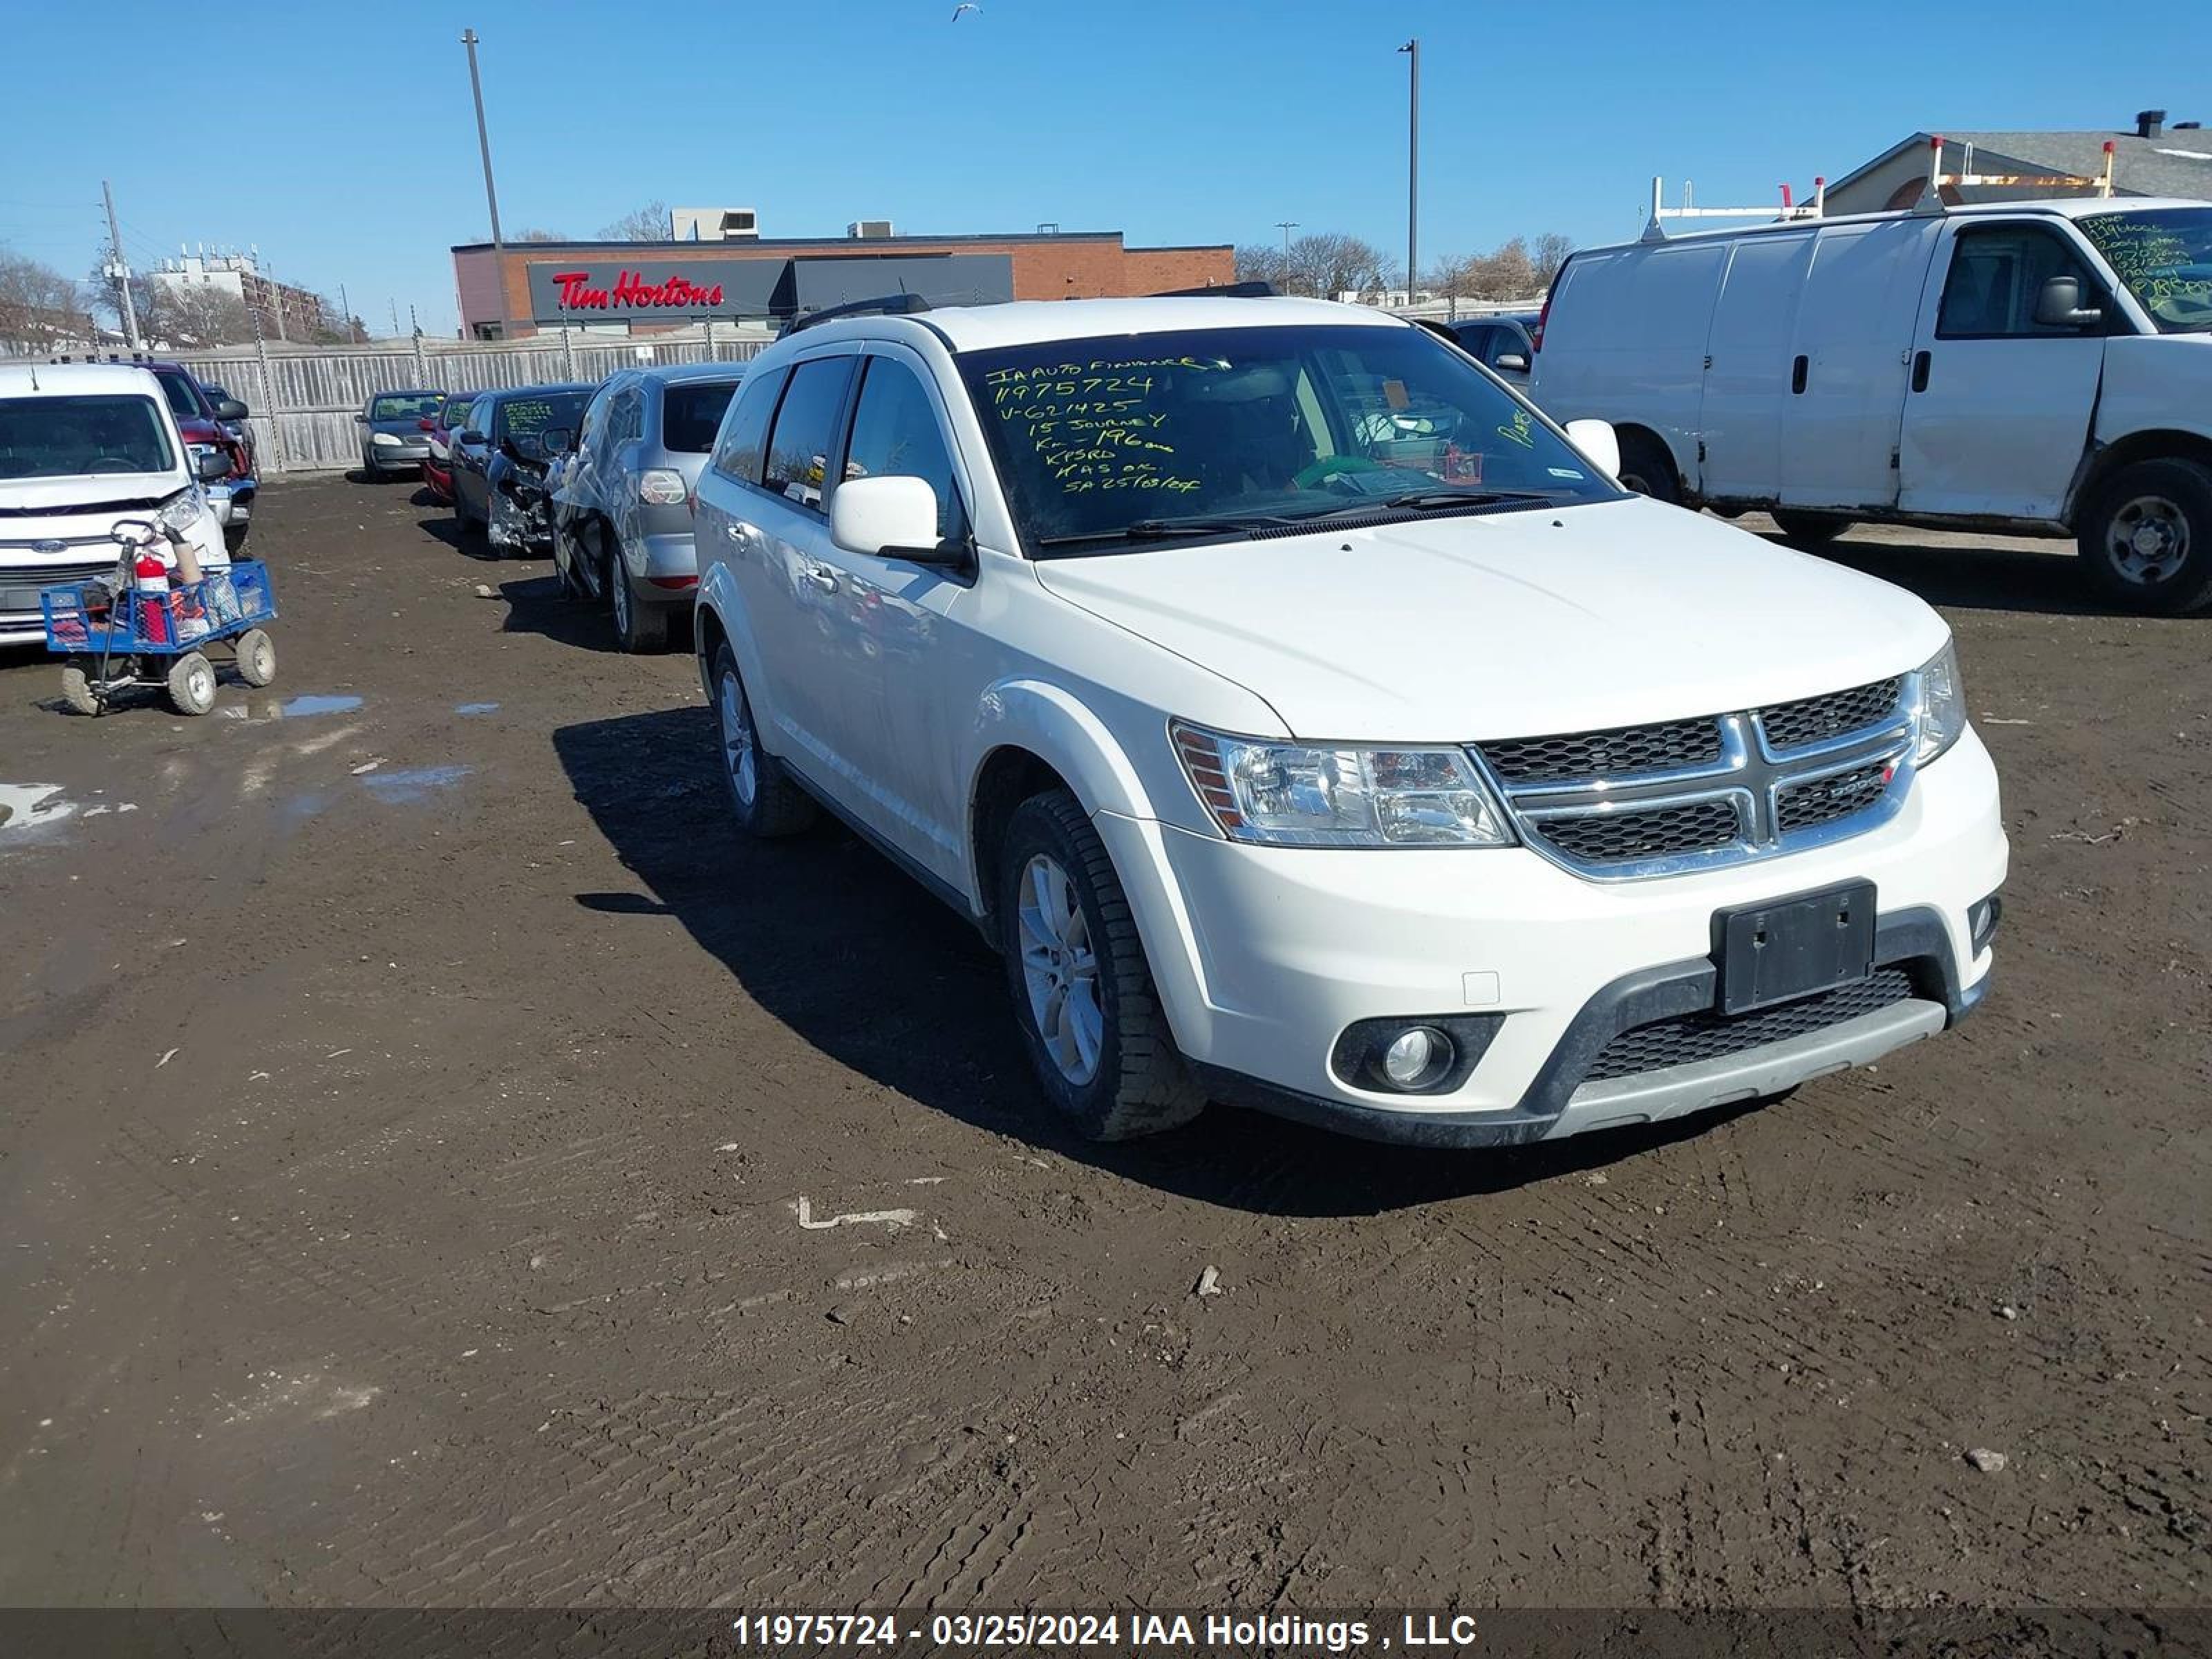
{"x": 621, "y": 286}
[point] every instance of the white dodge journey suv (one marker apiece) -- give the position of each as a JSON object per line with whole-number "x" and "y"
{"x": 1313, "y": 725}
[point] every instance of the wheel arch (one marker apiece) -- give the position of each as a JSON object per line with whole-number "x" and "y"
{"x": 719, "y": 617}
{"x": 2158, "y": 444}
{"x": 1636, "y": 431}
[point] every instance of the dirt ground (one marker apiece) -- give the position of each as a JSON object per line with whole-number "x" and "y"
{"x": 441, "y": 1164}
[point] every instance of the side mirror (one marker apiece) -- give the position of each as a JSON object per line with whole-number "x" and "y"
{"x": 555, "y": 440}
{"x": 1598, "y": 443}
{"x": 2059, "y": 305}
{"x": 212, "y": 464}
{"x": 229, "y": 409}
{"x": 468, "y": 436}
{"x": 1512, "y": 362}
{"x": 424, "y": 424}
{"x": 360, "y": 419}
{"x": 891, "y": 517}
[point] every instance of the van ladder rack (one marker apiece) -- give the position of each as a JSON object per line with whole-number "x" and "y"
{"x": 1931, "y": 195}
{"x": 1656, "y": 229}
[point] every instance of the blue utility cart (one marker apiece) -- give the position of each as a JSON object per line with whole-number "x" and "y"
{"x": 114, "y": 636}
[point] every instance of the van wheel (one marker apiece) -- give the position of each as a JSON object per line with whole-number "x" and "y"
{"x": 2148, "y": 538}
{"x": 1082, "y": 990}
{"x": 1647, "y": 469}
{"x": 768, "y": 804}
{"x": 1810, "y": 529}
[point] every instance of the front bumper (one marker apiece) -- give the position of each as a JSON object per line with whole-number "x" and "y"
{"x": 1262, "y": 956}
{"x": 395, "y": 457}
{"x": 231, "y": 500}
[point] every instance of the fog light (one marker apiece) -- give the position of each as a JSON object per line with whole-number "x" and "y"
{"x": 1414, "y": 1056}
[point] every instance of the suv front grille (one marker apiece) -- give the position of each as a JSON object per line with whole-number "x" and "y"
{"x": 1676, "y": 795}
{"x": 1659, "y": 832}
{"x": 1687, "y": 1038}
{"x": 1622, "y": 753}
{"x": 1816, "y": 720}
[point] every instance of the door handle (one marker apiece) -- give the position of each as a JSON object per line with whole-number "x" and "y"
{"x": 822, "y": 577}
{"x": 1920, "y": 372}
{"x": 1797, "y": 371}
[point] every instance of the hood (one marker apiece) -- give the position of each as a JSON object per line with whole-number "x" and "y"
{"x": 117, "y": 495}
{"x": 1512, "y": 624}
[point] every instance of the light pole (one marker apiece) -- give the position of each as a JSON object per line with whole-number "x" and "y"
{"x": 1287, "y": 226}
{"x": 491, "y": 195}
{"x": 1413, "y": 51}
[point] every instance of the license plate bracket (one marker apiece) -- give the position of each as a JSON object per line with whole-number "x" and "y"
{"x": 1794, "y": 947}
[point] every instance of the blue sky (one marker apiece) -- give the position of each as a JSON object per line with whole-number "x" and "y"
{"x": 340, "y": 138}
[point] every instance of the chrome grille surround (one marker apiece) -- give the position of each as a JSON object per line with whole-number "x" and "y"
{"x": 1758, "y": 799}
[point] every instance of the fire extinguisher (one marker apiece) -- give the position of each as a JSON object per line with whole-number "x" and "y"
{"x": 150, "y": 580}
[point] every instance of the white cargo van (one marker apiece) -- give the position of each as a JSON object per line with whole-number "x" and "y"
{"x": 2024, "y": 366}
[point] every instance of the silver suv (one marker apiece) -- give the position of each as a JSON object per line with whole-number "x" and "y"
{"x": 622, "y": 512}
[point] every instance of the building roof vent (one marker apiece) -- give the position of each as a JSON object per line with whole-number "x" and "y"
{"x": 869, "y": 230}
{"x": 713, "y": 224}
{"x": 2150, "y": 123}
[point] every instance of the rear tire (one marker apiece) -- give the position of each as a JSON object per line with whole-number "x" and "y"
{"x": 2147, "y": 538}
{"x": 1810, "y": 529}
{"x": 191, "y": 684}
{"x": 1648, "y": 468}
{"x": 639, "y": 629}
{"x": 77, "y": 687}
{"x": 1082, "y": 989}
{"x": 767, "y": 804}
{"x": 257, "y": 657}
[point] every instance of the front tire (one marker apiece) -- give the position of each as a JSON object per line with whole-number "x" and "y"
{"x": 77, "y": 686}
{"x": 191, "y": 684}
{"x": 1810, "y": 529}
{"x": 1082, "y": 989}
{"x": 2148, "y": 538}
{"x": 257, "y": 657}
{"x": 1647, "y": 468}
{"x": 767, "y": 804}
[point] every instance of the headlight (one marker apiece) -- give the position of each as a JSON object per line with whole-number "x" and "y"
{"x": 1289, "y": 794}
{"x": 1941, "y": 716}
{"x": 385, "y": 438}
{"x": 182, "y": 512}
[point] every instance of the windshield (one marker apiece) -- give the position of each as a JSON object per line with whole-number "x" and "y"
{"x": 2165, "y": 257}
{"x": 691, "y": 413}
{"x": 1132, "y": 438}
{"x": 66, "y": 437}
{"x": 183, "y": 395}
{"x": 523, "y": 418}
{"x": 404, "y": 405}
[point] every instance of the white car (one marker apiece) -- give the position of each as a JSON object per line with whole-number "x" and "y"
{"x": 83, "y": 445}
{"x": 2043, "y": 367}
{"x": 1311, "y": 723}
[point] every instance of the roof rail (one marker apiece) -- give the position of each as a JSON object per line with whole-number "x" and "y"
{"x": 890, "y": 305}
{"x": 1221, "y": 291}
{"x": 1654, "y": 229}
{"x": 1931, "y": 195}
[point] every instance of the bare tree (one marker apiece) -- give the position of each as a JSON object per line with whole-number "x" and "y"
{"x": 535, "y": 234}
{"x": 39, "y": 307}
{"x": 1327, "y": 264}
{"x": 187, "y": 314}
{"x": 1551, "y": 253}
{"x": 649, "y": 223}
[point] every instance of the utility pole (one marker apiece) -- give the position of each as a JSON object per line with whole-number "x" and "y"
{"x": 394, "y": 300}
{"x": 491, "y": 194}
{"x": 120, "y": 271}
{"x": 346, "y": 305}
{"x": 1413, "y": 51}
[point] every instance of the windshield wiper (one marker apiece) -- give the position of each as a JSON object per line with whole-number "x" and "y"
{"x": 1430, "y": 501}
{"x": 1160, "y": 530}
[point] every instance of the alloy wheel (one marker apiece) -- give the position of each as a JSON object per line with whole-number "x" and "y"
{"x": 1060, "y": 970}
{"x": 739, "y": 752}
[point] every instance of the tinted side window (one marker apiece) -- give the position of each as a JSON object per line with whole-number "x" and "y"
{"x": 896, "y": 434}
{"x": 689, "y": 414}
{"x": 744, "y": 437}
{"x": 1997, "y": 274}
{"x": 805, "y": 430}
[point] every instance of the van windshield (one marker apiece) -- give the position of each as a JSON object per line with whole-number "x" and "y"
{"x": 2165, "y": 257}
{"x": 70, "y": 437}
{"x": 1104, "y": 443}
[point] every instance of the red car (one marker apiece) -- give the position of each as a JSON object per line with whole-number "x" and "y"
{"x": 452, "y": 416}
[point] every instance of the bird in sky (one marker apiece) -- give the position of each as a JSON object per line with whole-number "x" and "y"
{"x": 966, "y": 5}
